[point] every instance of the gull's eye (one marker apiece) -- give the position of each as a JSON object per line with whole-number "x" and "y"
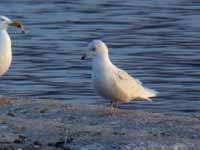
{"x": 93, "y": 49}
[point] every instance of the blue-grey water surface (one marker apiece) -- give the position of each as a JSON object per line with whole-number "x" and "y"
{"x": 157, "y": 41}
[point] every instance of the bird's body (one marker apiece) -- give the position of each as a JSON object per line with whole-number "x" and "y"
{"x": 112, "y": 82}
{"x": 115, "y": 84}
{"x": 5, "y": 43}
{"x": 5, "y": 52}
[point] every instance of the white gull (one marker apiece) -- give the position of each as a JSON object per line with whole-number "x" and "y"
{"x": 5, "y": 43}
{"x": 112, "y": 82}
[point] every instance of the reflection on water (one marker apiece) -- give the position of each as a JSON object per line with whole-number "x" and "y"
{"x": 156, "y": 41}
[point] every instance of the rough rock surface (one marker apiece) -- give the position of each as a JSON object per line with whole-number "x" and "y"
{"x": 50, "y": 124}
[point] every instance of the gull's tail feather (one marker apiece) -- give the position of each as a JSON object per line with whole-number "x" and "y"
{"x": 148, "y": 93}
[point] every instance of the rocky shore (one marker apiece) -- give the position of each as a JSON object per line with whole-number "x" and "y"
{"x": 54, "y": 125}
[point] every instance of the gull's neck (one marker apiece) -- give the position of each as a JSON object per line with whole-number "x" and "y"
{"x": 101, "y": 61}
{"x": 5, "y": 42}
{"x": 3, "y": 31}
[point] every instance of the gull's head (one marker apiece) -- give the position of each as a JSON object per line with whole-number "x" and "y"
{"x": 6, "y": 22}
{"x": 96, "y": 48}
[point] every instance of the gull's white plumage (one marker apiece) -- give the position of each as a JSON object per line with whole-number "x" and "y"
{"x": 5, "y": 52}
{"x": 5, "y": 43}
{"x": 112, "y": 82}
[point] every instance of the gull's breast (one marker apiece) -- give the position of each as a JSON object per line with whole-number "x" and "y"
{"x": 5, "y": 53}
{"x": 105, "y": 84}
{"x": 5, "y": 62}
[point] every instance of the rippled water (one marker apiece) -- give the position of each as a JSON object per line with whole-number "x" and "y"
{"x": 156, "y": 41}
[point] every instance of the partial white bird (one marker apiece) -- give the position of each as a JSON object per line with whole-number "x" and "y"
{"x": 5, "y": 43}
{"x": 112, "y": 82}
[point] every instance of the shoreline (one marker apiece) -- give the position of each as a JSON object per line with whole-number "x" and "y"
{"x": 50, "y": 124}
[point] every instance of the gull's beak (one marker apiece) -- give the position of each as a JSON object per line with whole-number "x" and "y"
{"x": 18, "y": 25}
{"x": 84, "y": 56}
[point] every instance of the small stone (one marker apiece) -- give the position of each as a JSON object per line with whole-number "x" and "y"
{"x": 37, "y": 143}
{"x": 20, "y": 139}
{"x": 36, "y": 146}
{"x": 69, "y": 140}
{"x": 60, "y": 143}
{"x": 43, "y": 110}
{"x": 11, "y": 114}
{"x": 118, "y": 133}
